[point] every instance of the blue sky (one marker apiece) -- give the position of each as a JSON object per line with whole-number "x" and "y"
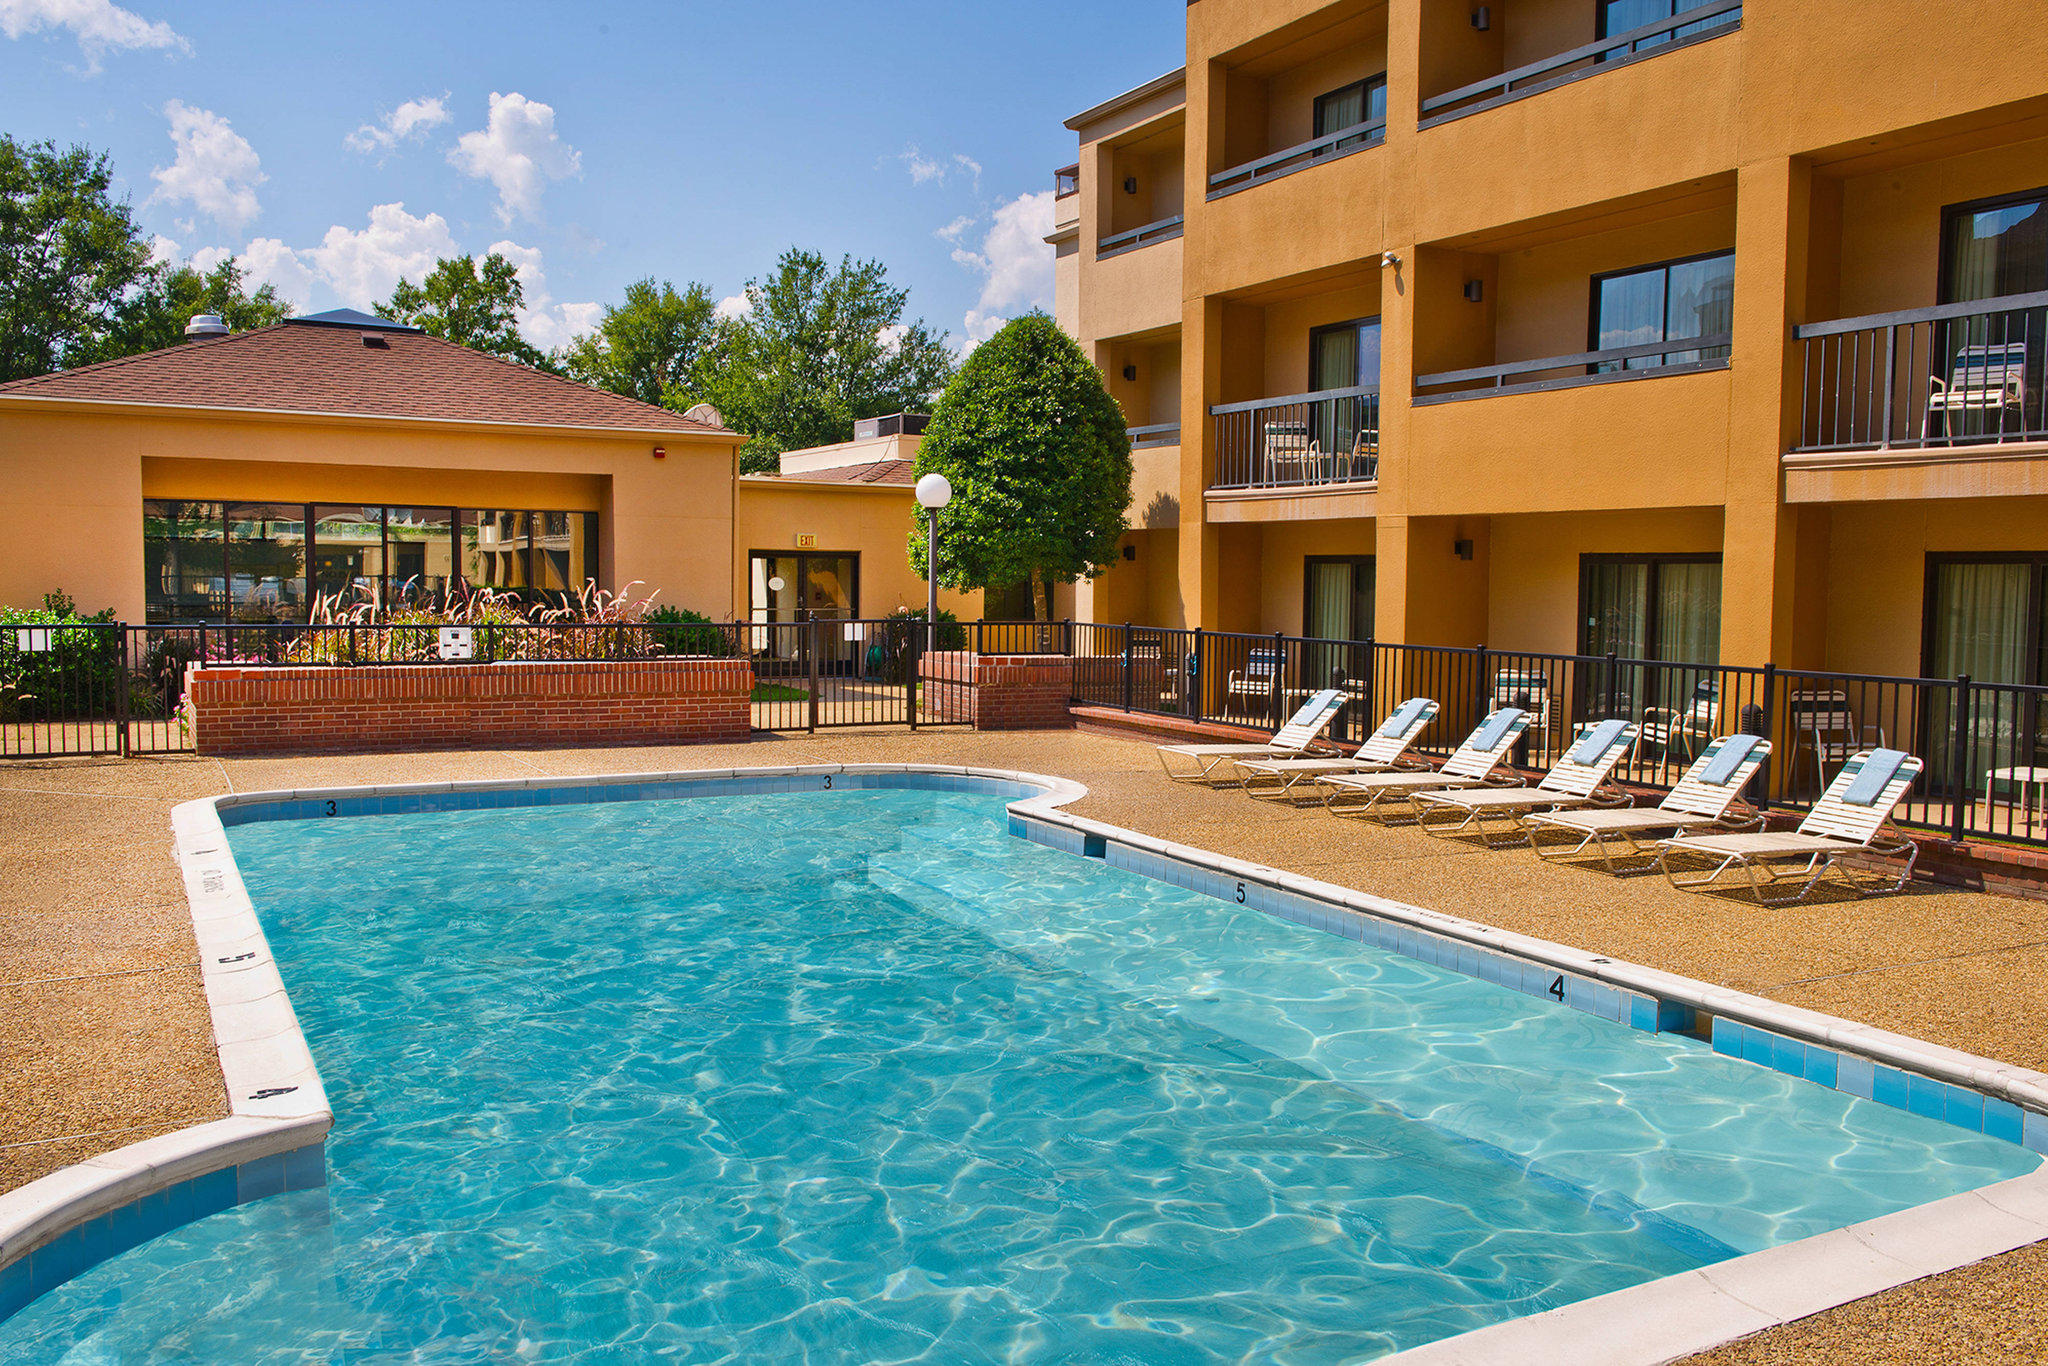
{"x": 332, "y": 146}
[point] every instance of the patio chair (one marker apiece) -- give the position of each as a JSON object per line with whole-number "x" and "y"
{"x": 1986, "y": 378}
{"x": 1824, "y": 723}
{"x": 1700, "y": 804}
{"x": 1301, "y": 735}
{"x": 1528, "y": 689}
{"x": 1385, "y": 749}
{"x": 1474, "y": 765}
{"x": 1574, "y": 780}
{"x": 1847, "y": 822}
{"x": 1252, "y": 688}
{"x": 1287, "y": 452}
{"x": 1675, "y": 730}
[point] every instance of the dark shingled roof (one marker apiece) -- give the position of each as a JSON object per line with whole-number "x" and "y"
{"x": 880, "y": 472}
{"x": 329, "y": 365}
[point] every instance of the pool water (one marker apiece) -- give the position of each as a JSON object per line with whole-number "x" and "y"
{"x": 858, "y": 1077}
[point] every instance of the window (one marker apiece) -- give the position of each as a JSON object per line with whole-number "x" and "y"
{"x": 1670, "y": 301}
{"x": 1619, "y": 16}
{"x": 1361, "y": 102}
{"x": 1985, "y": 618}
{"x": 266, "y": 567}
{"x": 1647, "y": 607}
{"x": 1991, "y": 248}
{"x": 1344, "y": 356}
{"x": 1336, "y": 606}
{"x": 1009, "y": 604}
{"x": 789, "y": 589}
{"x": 183, "y": 559}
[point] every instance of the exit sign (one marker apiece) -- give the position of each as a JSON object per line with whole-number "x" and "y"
{"x": 806, "y": 540}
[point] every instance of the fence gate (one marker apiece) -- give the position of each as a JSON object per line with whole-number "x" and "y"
{"x": 85, "y": 688}
{"x": 824, "y": 673}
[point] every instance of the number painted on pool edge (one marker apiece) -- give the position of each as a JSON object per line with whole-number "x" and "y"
{"x": 1240, "y": 894}
{"x": 331, "y": 809}
{"x": 828, "y": 782}
{"x": 1557, "y": 987}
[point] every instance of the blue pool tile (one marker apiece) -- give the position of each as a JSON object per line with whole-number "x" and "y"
{"x": 1888, "y": 1087}
{"x": 1963, "y": 1107}
{"x": 264, "y": 1176}
{"x": 1675, "y": 1017}
{"x": 2003, "y": 1119}
{"x": 2034, "y": 1131}
{"x": 305, "y": 1168}
{"x": 1788, "y": 1055}
{"x": 1822, "y": 1064}
{"x": 14, "y": 1287}
{"x": 212, "y": 1193}
{"x": 1924, "y": 1096}
{"x": 1727, "y": 1037}
{"x": 65, "y": 1256}
{"x": 1857, "y": 1077}
{"x": 1756, "y": 1045}
{"x": 1642, "y": 1013}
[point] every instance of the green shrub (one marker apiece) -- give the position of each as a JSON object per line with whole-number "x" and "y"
{"x": 679, "y": 631}
{"x": 78, "y": 675}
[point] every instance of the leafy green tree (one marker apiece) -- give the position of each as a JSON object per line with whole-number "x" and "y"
{"x": 1035, "y": 450}
{"x": 817, "y": 349}
{"x": 477, "y": 306}
{"x": 69, "y": 254}
{"x": 648, "y": 346}
{"x": 156, "y": 315}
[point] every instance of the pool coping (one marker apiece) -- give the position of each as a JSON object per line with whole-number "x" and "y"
{"x": 273, "y": 1140}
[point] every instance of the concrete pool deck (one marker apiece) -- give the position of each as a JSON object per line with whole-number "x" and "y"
{"x": 104, "y": 1035}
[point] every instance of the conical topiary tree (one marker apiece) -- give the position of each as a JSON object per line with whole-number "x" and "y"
{"x": 1035, "y": 449}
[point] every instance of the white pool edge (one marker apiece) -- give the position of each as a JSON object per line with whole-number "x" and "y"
{"x": 278, "y": 1105}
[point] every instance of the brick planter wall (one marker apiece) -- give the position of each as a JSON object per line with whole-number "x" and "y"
{"x": 466, "y": 706}
{"x": 998, "y": 692}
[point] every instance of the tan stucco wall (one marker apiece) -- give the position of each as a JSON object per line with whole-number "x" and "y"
{"x": 872, "y": 521}
{"x": 77, "y": 476}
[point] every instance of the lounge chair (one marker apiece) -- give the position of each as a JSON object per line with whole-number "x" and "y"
{"x": 1845, "y": 823}
{"x": 1699, "y": 804}
{"x": 1301, "y": 735}
{"x": 1574, "y": 780}
{"x": 1474, "y": 765}
{"x": 1382, "y": 751}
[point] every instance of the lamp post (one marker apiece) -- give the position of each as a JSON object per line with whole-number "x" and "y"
{"x": 934, "y": 491}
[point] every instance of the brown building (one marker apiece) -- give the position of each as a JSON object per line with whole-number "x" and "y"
{"x": 1684, "y": 329}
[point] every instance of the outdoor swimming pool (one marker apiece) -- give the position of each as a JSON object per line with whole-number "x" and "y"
{"x": 855, "y": 1076}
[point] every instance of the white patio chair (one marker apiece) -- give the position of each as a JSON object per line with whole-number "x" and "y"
{"x": 1986, "y": 378}
{"x": 1701, "y": 803}
{"x": 1301, "y": 735}
{"x": 1575, "y": 780}
{"x": 1474, "y": 765}
{"x": 1385, "y": 749}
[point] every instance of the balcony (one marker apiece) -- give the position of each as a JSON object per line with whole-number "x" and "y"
{"x": 1341, "y": 143}
{"x": 1116, "y": 243}
{"x": 1326, "y": 438}
{"x": 1676, "y": 356}
{"x": 1157, "y": 434}
{"x": 1696, "y": 25}
{"x": 1955, "y": 376}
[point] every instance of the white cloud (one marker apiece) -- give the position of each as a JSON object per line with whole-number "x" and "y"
{"x": 518, "y": 152}
{"x": 164, "y": 251}
{"x": 952, "y": 231}
{"x": 733, "y": 306}
{"x": 98, "y": 25}
{"x": 364, "y": 265}
{"x": 926, "y": 170}
{"x": 216, "y": 170}
{"x": 267, "y": 261}
{"x": 1015, "y": 263}
{"x": 409, "y": 120}
{"x": 546, "y": 323}
{"x": 892, "y": 337}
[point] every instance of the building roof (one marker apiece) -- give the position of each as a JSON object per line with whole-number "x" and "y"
{"x": 874, "y": 472}
{"x": 1159, "y": 85}
{"x": 350, "y": 364}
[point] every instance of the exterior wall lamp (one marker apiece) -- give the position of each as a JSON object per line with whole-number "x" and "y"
{"x": 1482, "y": 18}
{"x": 1462, "y": 549}
{"x": 1475, "y": 290}
{"x": 1130, "y": 184}
{"x": 1130, "y": 372}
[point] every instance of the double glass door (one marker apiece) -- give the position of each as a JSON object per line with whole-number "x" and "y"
{"x": 787, "y": 590}
{"x": 1992, "y": 249}
{"x": 1986, "y": 617}
{"x": 1664, "y": 608}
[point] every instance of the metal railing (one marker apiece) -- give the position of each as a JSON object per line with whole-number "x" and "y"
{"x": 1677, "y": 356}
{"x": 1659, "y": 36}
{"x": 1331, "y": 436}
{"x": 1066, "y": 180}
{"x": 1158, "y": 434}
{"x": 1165, "y": 230}
{"x": 1952, "y": 375}
{"x": 1343, "y": 142}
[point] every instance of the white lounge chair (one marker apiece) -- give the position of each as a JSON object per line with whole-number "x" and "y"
{"x": 1574, "y": 780}
{"x": 1383, "y": 750}
{"x": 1699, "y": 804}
{"x": 1474, "y": 765}
{"x": 1845, "y": 823}
{"x": 1301, "y": 735}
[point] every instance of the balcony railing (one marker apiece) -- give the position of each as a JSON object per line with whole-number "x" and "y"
{"x": 1331, "y": 436}
{"x": 1158, "y": 434}
{"x": 1328, "y": 147}
{"x": 1698, "y": 24}
{"x": 1066, "y": 181}
{"x": 1678, "y": 356}
{"x": 1165, "y": 230}
{"x": 1953, "y": 375}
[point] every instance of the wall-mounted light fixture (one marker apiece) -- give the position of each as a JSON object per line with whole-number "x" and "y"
{"x": 1462, "y": 549}
{"x": 1130, "y": 372}
{"x": 661, "y": 452}
{"x": 1482, "y": 18}
{"x": 1130, "y": 552}
{"x": 1130, "y": 184}
{"x": 1387, "y": 258}
{"x": 1475, "y": 290}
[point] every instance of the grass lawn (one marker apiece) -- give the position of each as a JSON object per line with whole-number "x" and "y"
{"x": 777, "y": 692}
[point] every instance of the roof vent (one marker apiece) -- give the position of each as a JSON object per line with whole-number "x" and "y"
{"x": 206, "y": 325}
{"x": 378, "y": 340}
{"x": 704, "y": 412}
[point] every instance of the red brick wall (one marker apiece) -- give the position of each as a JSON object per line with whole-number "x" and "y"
{"x": 999, "y": 692}
{"x": 460, "y": 706}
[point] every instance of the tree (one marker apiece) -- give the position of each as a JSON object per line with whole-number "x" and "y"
{"x": 156, "y": 315}
{"x": 648, "y": 346}
{"x": 817, "y": 349}
{"x": 1035, "y": 449}
{"x": 461, "y": 303}
{"x": 69, "y": 253}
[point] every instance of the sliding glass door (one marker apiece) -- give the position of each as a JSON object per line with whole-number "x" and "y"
{"x": 1992, "y": 249}
{"x": 1344, "y": 356}
{"x": 1985, "y": 619}
{"x": 1649, "y": 607}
